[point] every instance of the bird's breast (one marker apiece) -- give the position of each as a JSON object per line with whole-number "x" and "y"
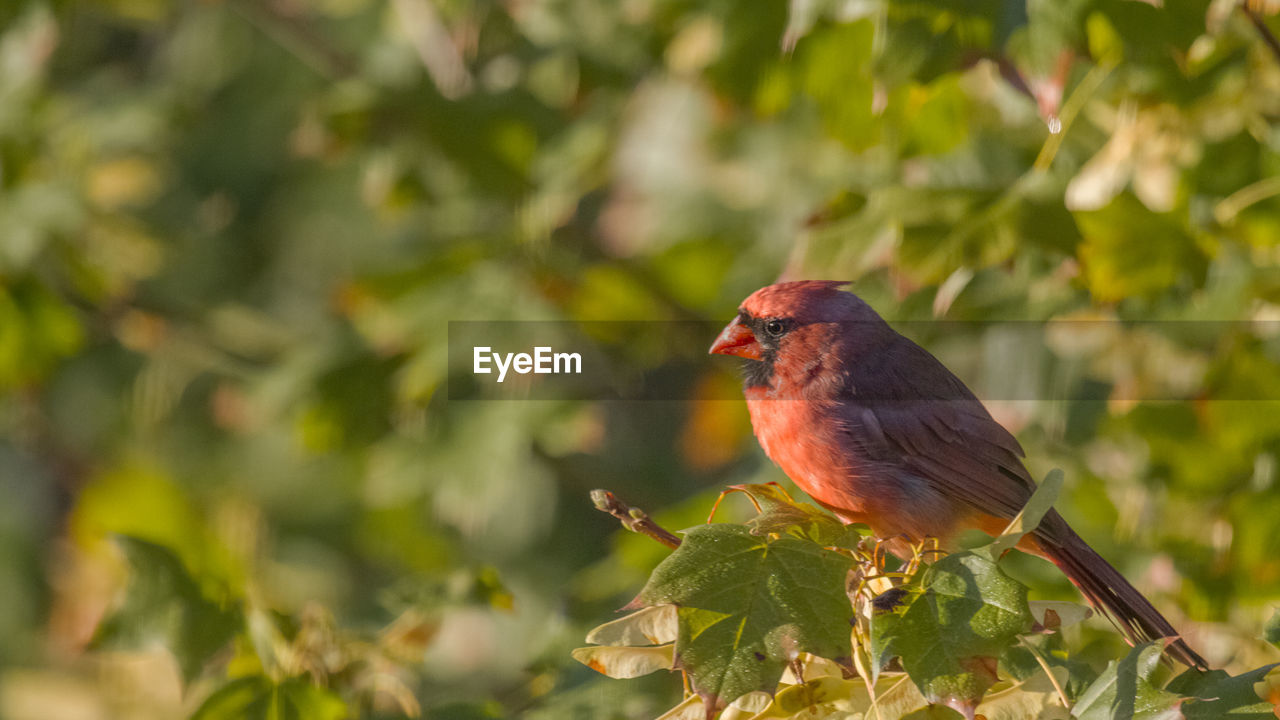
{"x": 799, "y": 436}
{"x": 805, "y": 438}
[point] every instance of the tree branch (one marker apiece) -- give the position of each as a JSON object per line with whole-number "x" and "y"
{"x": 1261, "y": 24}
{"x": 298, "y": 37}
{"x": 633, "y": 518}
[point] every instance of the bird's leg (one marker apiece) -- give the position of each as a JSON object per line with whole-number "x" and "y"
{"x": 928, "y": 550}
{"x": 914, "y": 563}
{"x": 922, "y": 552}
{"x": 747, "y": 490}
{"x": 881, "y": 580}
{"x": 882, "y": 551}
{"x": 716, "y": 505}
{"x": 900, "y": 546}
{"x": 937, "y": 546}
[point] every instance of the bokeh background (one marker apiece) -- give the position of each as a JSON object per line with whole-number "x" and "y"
{"x": 233, "y": 234}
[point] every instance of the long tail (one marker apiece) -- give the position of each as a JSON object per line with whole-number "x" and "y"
{"x": 1108, "y": 591}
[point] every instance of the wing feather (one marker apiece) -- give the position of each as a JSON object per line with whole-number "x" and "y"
{"x": 909, "y": 409}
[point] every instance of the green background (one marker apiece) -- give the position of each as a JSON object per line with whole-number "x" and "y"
{"x": 233, "y": 233}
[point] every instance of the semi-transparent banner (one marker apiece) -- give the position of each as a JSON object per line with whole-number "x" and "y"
{"x": 1064, "y": 360}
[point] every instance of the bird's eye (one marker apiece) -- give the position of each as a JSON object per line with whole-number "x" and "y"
{"x": 775, "y": 328}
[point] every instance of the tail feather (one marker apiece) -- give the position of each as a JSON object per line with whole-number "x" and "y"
{"x": 1111, "y": 594}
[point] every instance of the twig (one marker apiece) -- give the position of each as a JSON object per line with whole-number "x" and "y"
{"x": 298, "y": 38}
{"x": 633, "y": 518}
{"x": 1044, "y": 665}
{"x": 1074, "y": 103}
{"x": 436, "y": 49}
{"x": 1258, "y": 22}
{"x": 1227, "y": 210}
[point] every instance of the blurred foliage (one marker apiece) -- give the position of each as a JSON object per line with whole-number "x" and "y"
{"x": 233, "y": 233}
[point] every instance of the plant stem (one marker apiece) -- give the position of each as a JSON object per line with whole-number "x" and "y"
{"x": 633, "y": 518}
{"x": 1261, "y": 25}
{"x": 1066, "y": 703}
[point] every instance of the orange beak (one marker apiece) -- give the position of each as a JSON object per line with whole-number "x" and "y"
{"x": 737, "y": 339}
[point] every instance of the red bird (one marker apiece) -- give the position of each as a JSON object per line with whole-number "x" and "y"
{"x": 876, "y": 429}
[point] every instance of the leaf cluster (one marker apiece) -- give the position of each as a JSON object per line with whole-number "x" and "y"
{"x": 277, "y": 667}
{"x": 794, "y": 615}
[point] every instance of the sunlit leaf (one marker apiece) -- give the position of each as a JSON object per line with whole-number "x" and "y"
{"x": 1032, "y": 698}
{"x": 691, "y": 708}
{"x": 626, "y": 662}
{"x": 1268, "y": 688}
{"x": 750, "y": 705}
{"x": 261, "y": 698}
{"x": 795, "y": 699}
{"x": 933, "y": 712}
{"x": 1058, "y": 614}
{"x": 894, "y": 696}
{"x": 651, "y": 626}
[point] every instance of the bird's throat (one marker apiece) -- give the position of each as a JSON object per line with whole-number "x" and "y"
{"x": 758, "y": 373}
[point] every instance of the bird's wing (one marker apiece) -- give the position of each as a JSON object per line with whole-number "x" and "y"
{"x": 906, "y": 408}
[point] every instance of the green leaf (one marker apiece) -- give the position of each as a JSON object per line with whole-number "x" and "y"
{"x": 911, "y": 49}
{"x": 939, "y": 117}
{"x": 1054, "y": 27}
{"x": 1217, "y": 694}
{"x": 164, "y": 605}
{"x": 962, "y": 612}
{"x": 1023, "y": 662}
{"x": 261, "y": 698}
{"x": 1116, "y": 267}
{"x": 39, "y": 328}
{"x": 835, "y": 72}
{"x": 1271, "y": 632}
{"x": 747, "y": 604}
{"x": 1030, "y": 515}
{"x": 1124, "y": 690}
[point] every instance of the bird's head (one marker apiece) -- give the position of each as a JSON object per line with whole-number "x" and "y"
{"x": 789, "y": 330}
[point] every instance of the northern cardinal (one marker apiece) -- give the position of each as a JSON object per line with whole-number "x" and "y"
{"x": 877, "y": 430}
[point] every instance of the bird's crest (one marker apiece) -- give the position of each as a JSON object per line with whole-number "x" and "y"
{"x": 795, "y": 298}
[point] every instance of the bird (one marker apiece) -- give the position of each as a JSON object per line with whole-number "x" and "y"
{"x": 877, "y": 430}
